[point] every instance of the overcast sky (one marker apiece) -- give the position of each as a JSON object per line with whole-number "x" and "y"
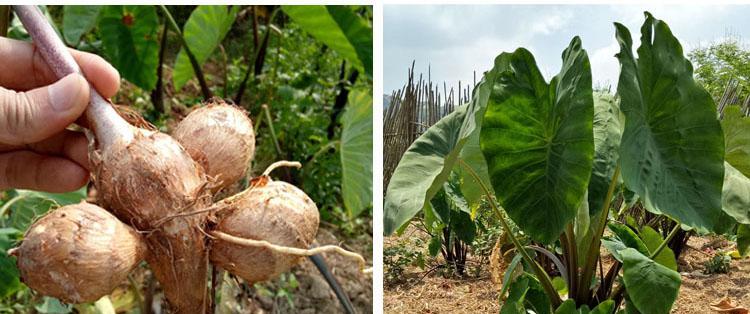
{"x": 458, "y": 39}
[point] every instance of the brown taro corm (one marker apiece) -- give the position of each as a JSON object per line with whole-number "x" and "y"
{"x": 221, "y": 138}
{"x": 281, "y": 214}
{"x": 85, "y": 253}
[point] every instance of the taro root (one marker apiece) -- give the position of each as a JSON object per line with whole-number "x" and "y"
{"x": 272, "y": 211}
{"x": 150, "y": 182}
{"x": 220, "y": 137}
{"x": 144, "y": 178}
{"x": 78, "y": 253}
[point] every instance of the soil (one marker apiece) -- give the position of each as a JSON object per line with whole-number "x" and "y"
{"x": 312, "y": 294}
{"x": 422, "y": 292}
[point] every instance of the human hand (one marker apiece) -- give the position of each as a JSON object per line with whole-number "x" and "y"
{"x": 36, "y": 150}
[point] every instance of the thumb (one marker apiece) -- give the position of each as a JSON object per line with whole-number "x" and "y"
{"x": 28, "y": 117}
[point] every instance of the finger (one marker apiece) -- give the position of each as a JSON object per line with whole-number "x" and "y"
{"x": 28, "y": 70}
{"x": 29, "y": 170}
{"x": 69, "y": 144}
{"x": 29, "y": 117}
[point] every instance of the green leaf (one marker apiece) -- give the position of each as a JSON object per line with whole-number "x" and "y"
{"x": 78, "y": 20}
{"x": 672, "y": 147}
{"x": 653, "y": 239}
{"x": 735, "y": 197}
{"x": 10, "y": 281}
{"x": 356, "y": 152}
{"x": 567, "y": 307}
{"x": 29, "y": 205}
{"x": 203, "y": 32}
{"x": 651, "y": 287}
{"x": 339, "y": 28}
{"x": 560, "y": 285}
{"x": 435, "y": 245}
{"x": 743, "y": 239}
{"x": 538, "y": 141}
{"x": 526, "y": 293}
{"x": 607, "y": 134}
{"x": 472, "y": 156}
{"x": 454, "y": 192}
{"x": 606, "y": 307}
{"x": 626, "y": 238}
{"x": 737, "y": 139}
{"x": 508, "y": 276}
{"x": 129, "y": 37}
{"x": 427, "y": 164}
{"x": 514, "y": 303}
{"x": 463, "y": 226}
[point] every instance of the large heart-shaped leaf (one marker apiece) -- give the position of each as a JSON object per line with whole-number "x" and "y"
{"x": 653, "y": 240}
{"x": 203, "y": 32}
{"x": 428, "y": 162}
{"x": 607, "y": 134}
{"x": 339, "y": 28}
{"x": 737, "y": 139}
{"x": 672, "y": 148}
{"x": 356, "y": 152}
{"x": 129, "y": 37}
{"x": 651, "y": 286}
{"x": 735, "y": 198}
{"x": 78, "y": 20}
{"x": 472, "y": 155}
{"x": 538, "y": 141}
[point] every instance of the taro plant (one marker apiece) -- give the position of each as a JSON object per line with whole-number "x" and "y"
{"x": 448, "y": 221}
{"x": 563, "y": 162}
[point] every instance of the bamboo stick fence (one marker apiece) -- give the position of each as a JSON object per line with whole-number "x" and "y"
{"x": 412, "y": 110}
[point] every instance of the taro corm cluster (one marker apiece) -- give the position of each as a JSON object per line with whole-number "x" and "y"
{"x": 156, "y": 197}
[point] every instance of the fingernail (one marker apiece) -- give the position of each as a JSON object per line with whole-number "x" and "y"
{"x": 64, "y": 94}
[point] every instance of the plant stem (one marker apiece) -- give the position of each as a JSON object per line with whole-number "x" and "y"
{"x": 156, "y": 94}
{"x": 540, "y": 273}
{"x": 666, "y": 241}
{"x": 4, "y": 20}
{"x": 571, "y": 257}
{"x": 259, "y": 52}
{"x": 589, "y": 267}
{"x": 322, "y": 150}
{"x": 137, "y": 293}
{"x": 194, "y": 62}
{"x": 269, "y": 121}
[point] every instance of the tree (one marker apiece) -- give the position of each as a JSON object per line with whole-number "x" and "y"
{"x": 718, "y": 63}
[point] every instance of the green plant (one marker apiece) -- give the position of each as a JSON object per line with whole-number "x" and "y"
{"x": 397, "y": 258}
{"x": 718, "y": 264}
{"x": 718, "y": 63}
{"x": 563, "y": 161}
{"x": 286, "y": 285}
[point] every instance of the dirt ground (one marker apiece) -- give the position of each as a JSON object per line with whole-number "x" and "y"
{"x": 312, "y": 295}
{"x": 432, "y": 293}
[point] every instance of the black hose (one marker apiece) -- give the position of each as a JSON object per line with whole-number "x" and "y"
{"x": 320, "y": 263}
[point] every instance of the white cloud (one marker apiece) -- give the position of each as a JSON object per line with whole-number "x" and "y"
{"x": 605, "y": 69}
{"x": 457, "y": 40}
{"x": 548, "y": 24}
